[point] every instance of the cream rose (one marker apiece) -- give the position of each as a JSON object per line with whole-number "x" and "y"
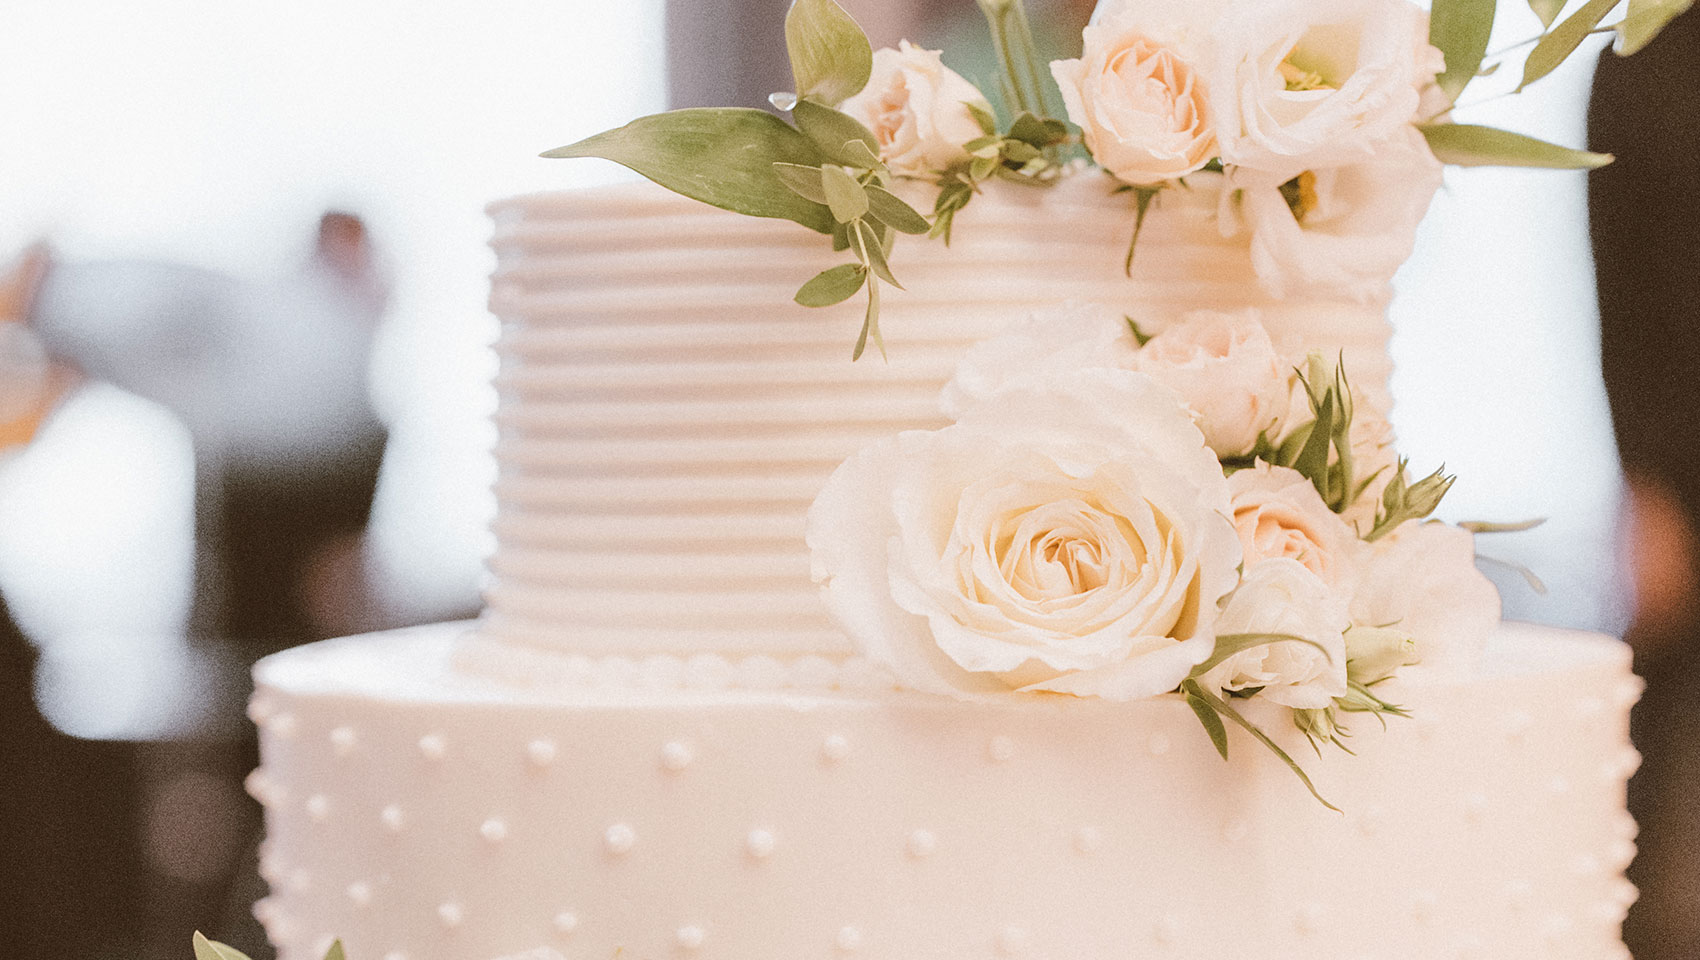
{"x": 1052, "y": 342}
{"x": 1304, "y": 85}
{"x": 1226, "y": 369}
{"x": 1422, "y": 580}
{"x": 1281, "y": 596}
{"x": 1138, "y": 97}
{"x": 914, "y": 106}
{"x": 1339, "y": 230}
{"x": 1279, "y": 515}
{"x": 1068, "y": 534}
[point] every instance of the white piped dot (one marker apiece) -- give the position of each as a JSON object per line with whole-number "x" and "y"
{"x": 1012, "y": 941}
{"x": 1620, "y": 852}
{"x": 1558, "y": 786}
{"x": 260, "y": 709}
{"x": 619, "y": 838}
{"x": 1088, "y": 840}
{"x": 922, "y": 843}
{"x": 392, "y": 818}
{"x": 450, "y": 915}
{"x": 259, "y": 786}
{"x": 1517, "y": 725}
{"x": 1628, "y": 692}
{"x": 493, "y": 830}
{"x": 395, "y": 955}
{"x": 282, "y": 725}
{"x": 360, "y": 893}
{"x": 1000, "y": 749}
{"x": 300, "y": 881}
{"x": 565, "y": 923}
{"x": 342, "y": 741}
{"x": 1159, "y": 744}
{"x": 849, "y": 939}
{"x": 834, "y": 749}
{"x": 541, "y": 753}
{"x": 761, "y": 843}
{"x": 690, "y": 938}
{"x": 1518, "y": 896}
{"x": 1235, "y": 830}
{"x": 1425, "y": 907}
{"x": 1167, "y": 931}
{"x": 433, "y": 747}
{"x": 676, "y": 756}
{"x": 318, "y": 807}
{"x": 1310, "y": 918}
{"x": 1476, "y": 807}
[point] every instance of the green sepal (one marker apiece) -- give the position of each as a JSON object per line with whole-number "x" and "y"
{"x": 844, "y": 196}
{"x": 872, "y": 244}
{"x": 1192, "y": 689}
{"x": 1402, "y": 500}
{"x": 1360, "y": 698}
{"x": 335, "y": 951}
{"x": 889, "y": 209}
{"x": 803, "y": 181}
{"x": 213, "y": 950}
{"x": 1140, "y": 337}
{"x": 1561, "y": 41}
{"x": 1644, "y": 21}
{"x": 1208, "y": 717}
{"x": 722, "y": 156}
{"x": 835, "y": 285}
{"x": 829, "y": 130}
{"x": 1460, "y": 29}
{"x": 831, "y": 58}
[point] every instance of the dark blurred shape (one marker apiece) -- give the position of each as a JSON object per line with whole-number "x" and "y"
{"x": 1645, "y": 216}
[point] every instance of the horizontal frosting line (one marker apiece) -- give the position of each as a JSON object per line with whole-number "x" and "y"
{"x": 521, "y": 527}
{"x": 511, "y": 655}
{"x": 542, "y": 380}
{"x": 551, "y": 634}
{"x": 723, "y": 609}
{"x": 784, "y": 447}
{"x": 887, "y": 412}
{"x": 530, "y": 492}
{"x": 680, "y": 571}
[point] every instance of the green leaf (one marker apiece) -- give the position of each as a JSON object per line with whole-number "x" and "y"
{"x": 802, "y": 181}
{"x": 1312, "y": 460}
{"x": 1562, "y": 40}
{"x": 831, "y": 58}
{"x": 213, "y": 950}
{"x": 1469, "y": 145}
{"x": 833, "y": 286}
{"x": 1140, "y": 337}
{"x": 1547, "y": 10}
{"x": 871, "y": 245}
{"x": 982, "y": 114}
{"x": 1035, "y": 131}
{"x": 1192, "y": 689}
{"x": 829, "y": 130}
{"x": 335, "y": 952}
{"x": 870, "y": 324}
{"x": 1489, "y": 526}
{"x": 722, "y": 156}
{"x": 889, "y": 209}
{"x": 862, "y": 156}
{"x": 1642, "y": 24}
{"x": 1460, "y": 29}
{"x": 1212, "y": 723}
{"x": 844, "y": 195}
{"x": 1229, "y": 644}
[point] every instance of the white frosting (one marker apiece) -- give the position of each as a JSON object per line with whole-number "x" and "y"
{"x": 668, "y": 413}
{"x": 419, "y": 811}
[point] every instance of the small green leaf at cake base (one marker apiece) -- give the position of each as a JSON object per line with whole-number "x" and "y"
{"x": 213, "y": 950}
{"x": 1193, "y": 690}
{"x": 889, "y": 209}
{"x": 1209, "y": 719}
{"x": 833, "y": 286}
{"x": 722, "y": 156}
{"x": 1469, "y": 145}
{"x": 831, "y": 58}
{"x": 1460, "y": 30}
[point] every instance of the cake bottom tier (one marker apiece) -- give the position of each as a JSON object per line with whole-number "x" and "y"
{"x": 422, "y": 814}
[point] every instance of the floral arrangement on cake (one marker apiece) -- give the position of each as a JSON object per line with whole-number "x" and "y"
{"x": 1126, "y": 507}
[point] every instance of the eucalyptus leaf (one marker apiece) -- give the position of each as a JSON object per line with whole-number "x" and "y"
{"x": 1460, "y": 29}
{"x": 982, "y": 167}
{"x": 1038, "y": 132}
{"x": 1231, "y": 644}
{"x": 870, "y": 324}
{"x": 803, "y": 181}
{"x": 1192, "y": 689}
{"x": 1644, "y": 21}
{"x": 1211, "y": 721}
{"x": 1469, "y": 145}
{"x": 1562, "y": 40}
{"x": 829, "y": 129}
{"x": 831, "y": 58}
{"x": 833, "y": 286}
{"x": 844, "y": 195}
{"x": 213, "y": 950}
{"x": 862, "y": 156}
{"x": 335, "y": 951}
{"x": 722, "y": 156}
{"x": 874, "y": 249}
{"x": 1488, "y": 526}
{"x": 1547, "y": 10}
{"x": 889, "y": 209}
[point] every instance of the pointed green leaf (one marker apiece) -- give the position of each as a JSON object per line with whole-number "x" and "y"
{"x": 720, "y": 156}
{"x": 335, "y": 952}
{"x": 1644, "y": 21}
{"x": 1460, "y": 29}
{"x": 831, "y": 58}
{"x": 1562, "y": 40}
{"x": 870, "y": 244}
{"x": 982, "y": 114}
{"x": 1211, "y": 722}
{"x": 889, "y": 209}
{"x": 861, "y": 156}
{"x": 1489, "y": 526}
{"x": 1469, "y": 145}
{"x": 213, "y": 950}
{"x": 844, "y": 195}
{"x": 1312, "y": 460}
{"x": 802, "y": 181}
{"x": 870, "y": 324}
{"x": 1228, "y": 712}
{"x": 833, "y": 286}
{"x": 1037, "y": 132}
{"x": 1547, "y": 10}
{"x": 829, "y": 130}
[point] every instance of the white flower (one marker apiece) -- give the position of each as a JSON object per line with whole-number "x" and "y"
{"x": 1338, "y": 230}
{"x": 1068, "y": 534}
{"x": 1422, "y": 580}
{"x": 1279, "y": 515}
{"x": 1137, "y": 94}
{"x": 1281, "y": 596}
{"x": 1054, "y": 342}
{"x": 914, "y": 106}
{"x": 1226, "y": 369}
{"x": 1307, "y": 84}
{"x": 1374, "y": 461}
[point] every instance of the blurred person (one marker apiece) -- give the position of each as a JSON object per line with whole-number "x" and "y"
{"x": 1645, "y": 221}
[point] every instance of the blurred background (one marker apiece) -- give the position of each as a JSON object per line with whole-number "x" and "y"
{"x": 257, "y": 236}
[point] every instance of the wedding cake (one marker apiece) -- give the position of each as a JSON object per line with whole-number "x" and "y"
{"x": 1044, "y": 636}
